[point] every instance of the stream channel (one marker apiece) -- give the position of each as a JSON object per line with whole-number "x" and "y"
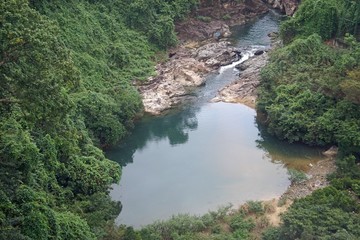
{"x": 205, "y": 155}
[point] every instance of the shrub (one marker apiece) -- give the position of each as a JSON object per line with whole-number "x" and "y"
{"x": 226, "y": 17}
{"x": 204, "y": 18}
{"x": 296, "y": 176}
{"x": 255, "y": 207}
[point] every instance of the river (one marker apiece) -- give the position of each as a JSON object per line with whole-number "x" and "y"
{"x": 205, "y": 155}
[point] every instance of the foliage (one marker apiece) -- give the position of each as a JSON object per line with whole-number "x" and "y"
{"x": 327, "y": 18}
{"x": 255, "y": 207}
{"x": 204, "y": 18}
{"x": 66, "y": 72}
{"x": 156, "y": 18}
{"x": 215, "y": 225}
{"x": 301, "y": 96}
{"x": 226, "y": 17}
{"x": 296, "y": 176}
{"x": 339, "y": 217}
{"x": 351, "y": 86}
{"x": 309, "y": 93}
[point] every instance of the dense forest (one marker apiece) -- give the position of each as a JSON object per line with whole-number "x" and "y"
{"x": 66, "y": 89}
{"x": 310, "y": 93}
{"x": 66, "y": 74}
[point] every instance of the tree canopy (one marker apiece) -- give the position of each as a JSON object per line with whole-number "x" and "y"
{"x": 309, "y": 93}
{"x": 66, "y": 70}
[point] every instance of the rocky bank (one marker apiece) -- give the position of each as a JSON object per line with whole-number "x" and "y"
{"x": 285, "y": 6}
{"x": 203, "y": 48}
{"x": 244, "y": 89}
{"x": 185, "y": 70}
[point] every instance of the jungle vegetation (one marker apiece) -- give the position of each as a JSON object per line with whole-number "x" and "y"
{"x": 66, "y": 72}
{"x": 310, "y": 93}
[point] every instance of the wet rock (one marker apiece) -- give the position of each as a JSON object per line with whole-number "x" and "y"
{"x": 331, "y": 152}
{"x": 258, "y": 52}
{"x": 171, "y": 84}
{"x": 197, "y": 30}
{"x": 219, "y": 17}
{"x": 188, "y": 63}
{"x": 171, "y": 54}
{"x": 176, "y": 77}
{"x": 222, "y": 32}
{"x": 216, "y": 54}
{"x": 241, "y": 66}
{"x": 243, "y": 90}
{"x": 237, "y": 52}
{"x": 273, "y": 35}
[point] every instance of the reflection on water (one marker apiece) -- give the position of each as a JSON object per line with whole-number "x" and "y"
{"x": 205, "y": 154}
{"x": 293, "y": 155}
{"x": 173, "y": 128}
{"x": 195, "y": 160}
{"x": 256, "y": 31}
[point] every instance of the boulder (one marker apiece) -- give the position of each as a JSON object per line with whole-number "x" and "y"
{"x": 331, "y": 152}
{"x": 286, "y": 6}
{"x": 217, "y": 54}
{"x": 241, "y": 66}
{"x": 243, "y": 90}
{"x": 258, "y": 52}
{"x": 171, "y": 84}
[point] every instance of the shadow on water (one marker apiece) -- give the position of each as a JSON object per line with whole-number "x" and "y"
{"x": 204, "y": 154}
{"x": 174, "y": 127}
{"x": 298, "y": 156}
{"x": 253, "y": 32}
{"x": 176, "y": 124}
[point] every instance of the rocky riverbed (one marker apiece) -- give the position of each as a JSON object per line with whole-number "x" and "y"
{"x": 203, "y": 49}
{"x": 244, "y": 89}
{"x": 286, "y": 6}
{"x": 185, "y": 70}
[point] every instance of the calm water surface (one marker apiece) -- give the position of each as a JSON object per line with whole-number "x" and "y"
{"x": 205, "y": 155}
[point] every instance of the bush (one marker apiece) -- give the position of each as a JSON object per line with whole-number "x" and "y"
{"x": 326, "y": 213}
{"x": 226, "y": 17}
{"x": 255, "y": 207}
{"x": 328, "y": 18}
{"x": 271, "y": 233}
{"x": 238, "y": 222}
{"x": 204, "y": 18}
{"x": 296, "y": 176}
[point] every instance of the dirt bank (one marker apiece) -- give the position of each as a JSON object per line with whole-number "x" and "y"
{"x": 316, "y": 180}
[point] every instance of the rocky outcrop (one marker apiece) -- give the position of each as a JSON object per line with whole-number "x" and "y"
{"x": 286, "y": 6}
{"x": 210, "y": 20}
{"x": 217, "y": 54}
{"x": 198, "y": 30}
{"x": 331, "y": 152}
{"x": 243, "y": 90}
{"x": 188, "y": 64}
{"x": 184, "y": 70}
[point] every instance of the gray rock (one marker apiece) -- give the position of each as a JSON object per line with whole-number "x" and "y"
{"x": 217, "y": 54}
{"x": 241, "y": 66}
{"x": 286, "y": 6}
{"x": 243, "y": 90}
{"x": 258, "y": 52}
{"x": 331, "y": 152}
